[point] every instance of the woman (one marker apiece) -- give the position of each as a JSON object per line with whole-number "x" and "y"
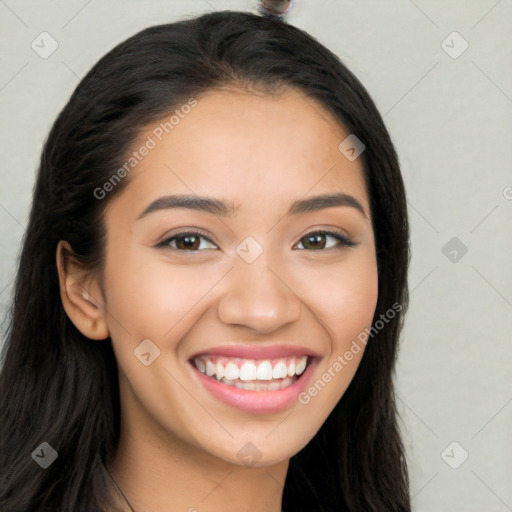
{"x": 211, "y": 285}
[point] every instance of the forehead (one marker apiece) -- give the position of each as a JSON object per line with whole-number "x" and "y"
{"x": 247, "y": 145}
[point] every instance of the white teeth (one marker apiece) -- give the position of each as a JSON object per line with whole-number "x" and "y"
{"x": 249, "y": 386}
{"x": 200, "y": 365}
{"x": 291, "y": 368}
{"x": 248, "y": 371}
{"x": 210, "y": 367}
{"x": 264, "y": 370}
{"x": 260, "y": 386}
{"x": 244, "y": 372}
{"x": 219, "y": 371}
{"x": 232, "y": 372}
{"x": 280, "y": 371}
{"x": 301, "y": 366}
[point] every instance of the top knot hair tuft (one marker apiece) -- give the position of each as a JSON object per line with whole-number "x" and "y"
{"x": 275, "y": 9}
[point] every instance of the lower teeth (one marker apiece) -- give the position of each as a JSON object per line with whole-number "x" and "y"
{"x": 260, "y": 386}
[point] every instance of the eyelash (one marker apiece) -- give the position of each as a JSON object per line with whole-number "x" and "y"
{"x": 343, "y": 239}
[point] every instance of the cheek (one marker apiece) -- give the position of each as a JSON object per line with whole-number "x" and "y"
{"x": 343, "y": 301}
{"x": 343, "y": 297}
{"x": 352, "y": 309}
{"x": 150, "y": 298}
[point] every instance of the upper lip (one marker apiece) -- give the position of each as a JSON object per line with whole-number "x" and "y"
{"x": 258, "y": 351}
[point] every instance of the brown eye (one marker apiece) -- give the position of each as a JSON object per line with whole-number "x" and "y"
{"x": 187, "y": 242}
{"x": 316, "y": 240}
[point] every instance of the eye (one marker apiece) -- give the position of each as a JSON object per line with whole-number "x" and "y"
{"x": 189, "y": 241}
{"x": 314, "y": 240}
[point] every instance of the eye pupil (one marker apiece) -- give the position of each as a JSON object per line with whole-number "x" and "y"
{"x": 316, "y": 239}
{"x": 187, "y": 239}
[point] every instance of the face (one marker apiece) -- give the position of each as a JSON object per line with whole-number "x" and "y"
{"x": 252, "y": 290}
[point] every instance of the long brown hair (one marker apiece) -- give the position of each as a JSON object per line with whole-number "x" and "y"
{"x": 61, "y": 388}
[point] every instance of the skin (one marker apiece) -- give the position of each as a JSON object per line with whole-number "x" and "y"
{"x": 178, "y": 443}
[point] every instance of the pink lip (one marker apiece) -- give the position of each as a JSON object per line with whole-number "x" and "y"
{"x": 257, "y": 402}
{"x": 258, "y": 352}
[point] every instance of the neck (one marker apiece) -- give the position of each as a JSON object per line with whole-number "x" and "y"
{"x": 155, "y": 473}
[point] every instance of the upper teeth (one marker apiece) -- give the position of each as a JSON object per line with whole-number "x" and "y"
{"x": 250, "y": 369}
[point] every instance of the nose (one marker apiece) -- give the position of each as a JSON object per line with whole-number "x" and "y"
{"x": 258, "y": 297}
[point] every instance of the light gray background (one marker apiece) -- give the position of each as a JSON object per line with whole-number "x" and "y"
{"x": 451, "y": 121}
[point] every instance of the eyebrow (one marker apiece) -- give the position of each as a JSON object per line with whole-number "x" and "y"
{"x": 228, "y": 209}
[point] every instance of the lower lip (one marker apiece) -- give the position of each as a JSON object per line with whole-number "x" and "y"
{"x": 256, "y": 402}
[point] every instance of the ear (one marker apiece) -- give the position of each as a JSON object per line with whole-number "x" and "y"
{"x": 81, "y": 295}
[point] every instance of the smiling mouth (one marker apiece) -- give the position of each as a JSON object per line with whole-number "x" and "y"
{"x": 253, "y": 374}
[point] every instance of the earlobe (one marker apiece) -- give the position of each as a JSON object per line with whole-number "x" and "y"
{"x": 81, "y": 295}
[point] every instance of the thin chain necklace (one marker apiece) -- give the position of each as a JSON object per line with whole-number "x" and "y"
{"x": 121, "y": 491}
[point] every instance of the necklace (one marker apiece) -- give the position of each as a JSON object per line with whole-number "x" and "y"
{"x": 121, "y": 491}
